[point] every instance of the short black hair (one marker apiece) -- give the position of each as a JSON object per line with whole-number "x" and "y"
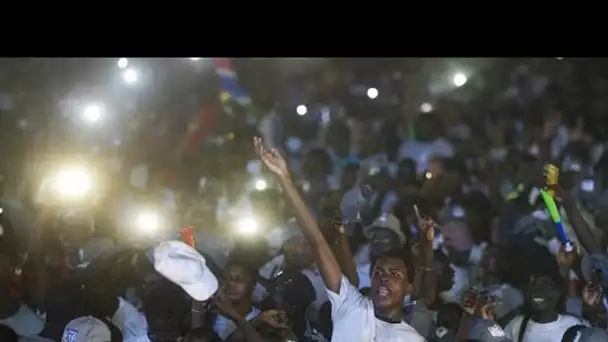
{"x": 7, "y": 334}
{"x": 248, "y": 267}
{"x": 402, "y": 254}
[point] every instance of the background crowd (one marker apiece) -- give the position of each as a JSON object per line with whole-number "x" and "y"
{"x": 387, "y": 200}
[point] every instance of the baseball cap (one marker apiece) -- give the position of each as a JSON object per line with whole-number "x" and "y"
{"x": 385, "y": 221}
{"x": 86, "y": 329}
{"x": 185, "y": 267}
{"x": 591, "y": 334}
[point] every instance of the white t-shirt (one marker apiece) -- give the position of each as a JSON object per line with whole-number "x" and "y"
{"x": 25, "y": 322}
{"x": 132, "y": 323}
{"x": 224, "y": 326}
{"x": 541, "y": 332}
{"x": 354, "y": 320}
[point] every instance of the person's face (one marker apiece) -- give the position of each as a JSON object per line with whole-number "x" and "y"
{"x": 543, "y": 294}
{"x": 389, "y": 283}
{"x": 297, "y": 253}
{"x": 75, "y": 233}
{"x": 492, "y": 266}
{"x": 236, "y": 284}
{"x": 383, "y": 240}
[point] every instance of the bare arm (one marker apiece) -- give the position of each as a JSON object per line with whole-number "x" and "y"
{"x": 341, "y": 250}
{"x": 580, "y": 226}
{"x": 325, "y": 259}
{"x": 425, "y": 277}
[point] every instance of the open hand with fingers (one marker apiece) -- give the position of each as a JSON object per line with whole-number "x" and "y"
{"x": 475, "y": 305}
{"x": 271, "y": 158}
{"x": 426, "y": 225}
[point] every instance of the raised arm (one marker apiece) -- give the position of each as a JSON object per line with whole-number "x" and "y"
{"x": 325, "y": 259}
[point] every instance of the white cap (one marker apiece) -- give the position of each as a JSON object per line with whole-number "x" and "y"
{"x": 184, "y": 266}
{"x": 385, "y": 221}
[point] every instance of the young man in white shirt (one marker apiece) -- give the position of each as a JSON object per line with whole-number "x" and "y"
{"x": 542, "y": 322}
{"x": 355, "y": 317}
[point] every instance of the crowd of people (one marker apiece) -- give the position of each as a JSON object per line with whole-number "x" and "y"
{"x": 364, "y": 233}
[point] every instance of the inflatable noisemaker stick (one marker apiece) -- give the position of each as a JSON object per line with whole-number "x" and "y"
{"x": 187, "y": 234}
{"x": 555, "y": 217}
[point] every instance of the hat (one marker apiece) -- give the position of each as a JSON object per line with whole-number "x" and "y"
{"x": 386, "y": 221}
{"x": 184, "y": 266}
{"x": 86, "y": 329}
{"x": 591, "y": 334}
{"x": 591, "y": 262}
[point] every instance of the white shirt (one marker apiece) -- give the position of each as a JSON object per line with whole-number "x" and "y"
{"x": 224, "y": 326}
{"x": 541, "y": 332}
{"x": 354, "y": 320}
{"x": 132, "y": 323}
{"x": 24, "y": 322}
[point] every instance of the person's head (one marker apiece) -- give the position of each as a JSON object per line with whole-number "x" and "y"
{"x": 238, "y": 280}
{"x": 385, "y": 234}
{"x": 428, "y": 128}
{"x": 436, "y": 167}
{"x": 493, "y": 266}
{"x": 89, "y": 329}
{"x": 444, "y": 272}
{"x": 406, "y": 169}
{"x": 543, "y": 294}
{"x": 448, "y": 316}
{"x": 390, "y": 282}
{"x": 7, "y": 334}
{"x": 75, "y": 228}
{"x": 297, "y": 253}
{"x": 383, "y": 240}
{"x": 339, "y": 138}
{"x": 317, "y": 163}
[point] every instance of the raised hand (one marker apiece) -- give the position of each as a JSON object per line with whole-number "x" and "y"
{"x": 426, "y": 226}
{"x": 470, "y": 301}
{"x": 271, "y": 158}
{"x": 592, "y": 295}
{"x": 566, "y": 260}
{"x": 274, "y": 318}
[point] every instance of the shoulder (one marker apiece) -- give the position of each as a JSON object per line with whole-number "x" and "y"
{"x": 412, "y": 334}
{"x": 569, "y": 320}
{"x": 514, "y": 324}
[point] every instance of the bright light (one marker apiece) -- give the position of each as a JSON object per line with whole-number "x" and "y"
{"x": 428, "y": 175}
{"x": 247, "y": 226}
{"x": 302, "y": 110}
{"x": 122, "y": 63}
{"x": 426, "y": 107}
{"x": 261, "y": 185}
{"x": 130, "y": 76}
{"x": 459, "y": 79}
{"x": 72, "y": 183}
{"x": 372, "y": 93}
{"x": 560, "y": 58}
{"x": 148, "y": 222}
{"x": 93, "y": 112}
{"x": 194, "y": 58}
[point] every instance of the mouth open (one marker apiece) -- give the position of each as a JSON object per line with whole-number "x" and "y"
{"x": 538, "y": 300}
{"x": 383, "y": 292}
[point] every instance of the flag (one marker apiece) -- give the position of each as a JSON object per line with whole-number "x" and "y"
{"x": 229, "y": 85}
